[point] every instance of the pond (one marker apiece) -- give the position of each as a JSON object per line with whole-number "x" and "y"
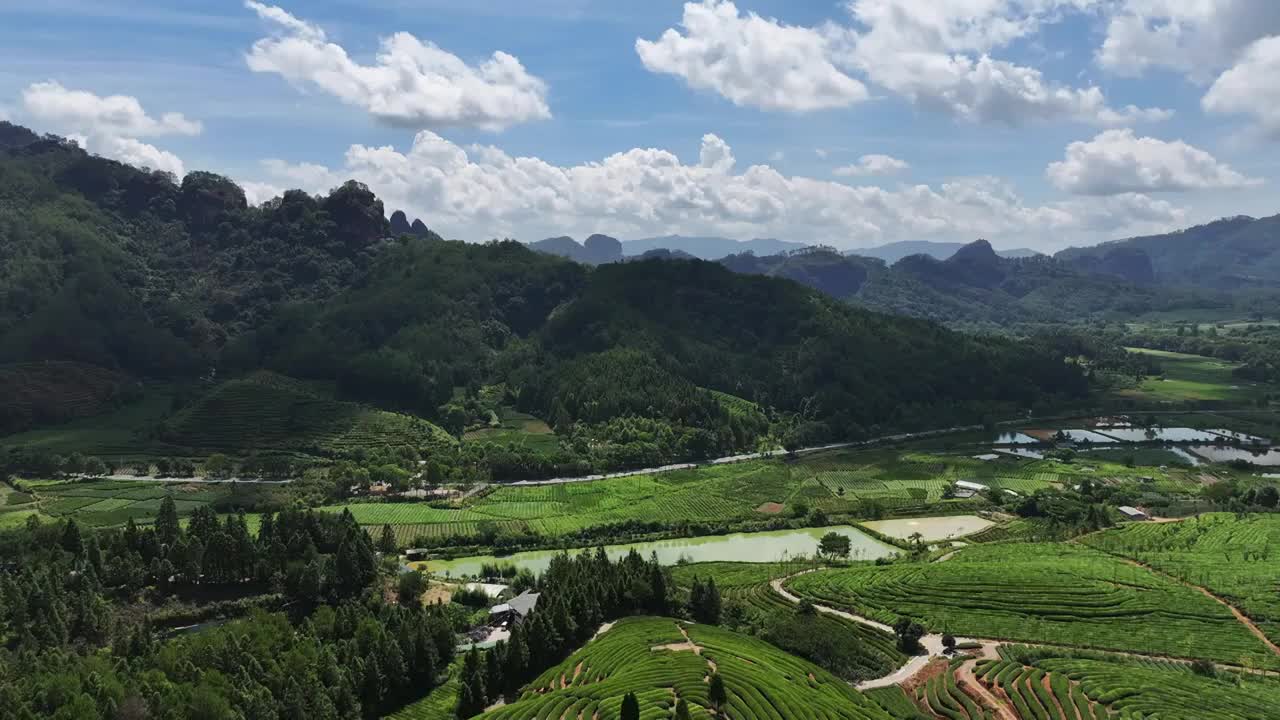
{"x": 740, "y": 547}
{"x": 1214, "y": 453}
{"x": 1015, "y": 438}
{"x": 932, "y": 529}
{"x": 1178, "y": 435}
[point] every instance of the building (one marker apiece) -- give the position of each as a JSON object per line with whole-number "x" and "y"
{"x": 1133, "y": 513}
{"x": 515, "y": 610}
{"x": 967, "y": 488}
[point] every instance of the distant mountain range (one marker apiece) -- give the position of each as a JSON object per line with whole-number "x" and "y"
{"x": 601, "y": 249}
{"x": 893, "y": 252}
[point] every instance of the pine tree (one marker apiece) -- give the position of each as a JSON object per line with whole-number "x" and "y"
{"x": 716, "y": 692}
{"x": 71, "y": 540}
{"x": 682, "y": 711}
{"x": 387, "y": 543}
{"x": 711, "y": 604}
{"x": 630, "y": 708}
{"x": 167, "y": 528}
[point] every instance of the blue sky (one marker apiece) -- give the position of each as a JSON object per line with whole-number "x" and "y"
{"x": 1037, "y": 123}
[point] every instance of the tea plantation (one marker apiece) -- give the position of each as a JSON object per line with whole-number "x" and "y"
{"x": 1051, "y": 593}
{"x": 662, "y": 661}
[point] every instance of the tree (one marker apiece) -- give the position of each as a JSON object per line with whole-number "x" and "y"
{"x": 71, "y": 540}
{"x": 387, "y": 542}
{"x": 410, "y": 587}
{"x": 630, "y": 707}
{"x": 716, "y": 692}
{"x": 218, "y": 467}
{"x": 472, "y": 698}
{"x": 1268, "y": 496}
{"x": 833, "y": 545}
{"x": 949, "y": 642}
{"x": 682, "y": 710}
{"x": 167, "y": 528}
{"x": 909, "y": 634}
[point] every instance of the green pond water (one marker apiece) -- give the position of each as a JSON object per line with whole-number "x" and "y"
{"x": 932, "y": 529}
{"x": 740, "y": 547}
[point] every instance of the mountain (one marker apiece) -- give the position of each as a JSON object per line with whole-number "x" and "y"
{"x": 1229, "y": 254}
{"x": 975, "y": 287}
{"x": 893, "y": 252}
{"x": 708, "y": 248}
{"x": 595, "y": 250}
{"x": 638, "y": 362}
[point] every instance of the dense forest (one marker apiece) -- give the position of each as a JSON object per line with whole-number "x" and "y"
{"x": 146, "y": 276}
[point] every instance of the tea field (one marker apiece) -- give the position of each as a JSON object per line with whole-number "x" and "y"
{"x": 662, "y": 660}
{"x": 1050, "y": 593}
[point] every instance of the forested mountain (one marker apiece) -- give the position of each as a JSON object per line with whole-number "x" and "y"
{"x": 975, "y": 287}
{"x": 139, "y": 273}
{"x": 1232, "y": 253}
{"x": 708, "y": 248}
{"x": 595, "y": 250}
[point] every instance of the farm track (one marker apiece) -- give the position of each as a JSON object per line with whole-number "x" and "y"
{"x": 970, "y": 684}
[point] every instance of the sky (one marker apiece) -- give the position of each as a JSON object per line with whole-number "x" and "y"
{"x": 1030, "y": 123}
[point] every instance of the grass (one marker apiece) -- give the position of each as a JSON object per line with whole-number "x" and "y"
{"x": 655, "y": 659}
{"x": 1192, "y": 378}
{"x": 1234, "y": 557}
{"x": 1051, "y": 593}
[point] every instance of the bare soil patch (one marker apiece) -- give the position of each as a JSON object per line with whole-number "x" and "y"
{"x": 770, "y": 508}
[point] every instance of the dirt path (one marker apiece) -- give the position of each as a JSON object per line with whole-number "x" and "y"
{"x": 979, "y": 692}
{"x": 688, "y": 646}
{"x": 1069, "y": 713}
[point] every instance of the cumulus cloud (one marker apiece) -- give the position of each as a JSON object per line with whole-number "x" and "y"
{"x": 1117, "y": 162}
{"x": 1196, "y": 38}
{"x": 1251, "y": 87}
{"x": 116, "y": 115}
{"x": 939, "y": 57}
{"x": 412, "y": 83}
{"x": 751, "y": 60}
{"x": 873, "y": 165}
{"x": 110, "y": 125}
{"x": 482, "y": 192}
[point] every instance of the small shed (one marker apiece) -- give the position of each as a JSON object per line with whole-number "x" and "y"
{"x": 1133, "y": 513}
{"x": 968, "y": 488}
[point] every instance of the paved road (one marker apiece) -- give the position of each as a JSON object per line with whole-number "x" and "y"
{"x": 902, "y": 437}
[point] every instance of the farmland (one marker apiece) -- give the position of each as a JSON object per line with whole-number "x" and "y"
{"x": 110, "y": 503}
{"x": 1192, "y": 378}
{"x": 1050, "y": 593}
{"x": 1234, "y": 557}
{"x": 516, "y": 429}
{"x": 1059, "y": 687}
{"x": 661, "y": 660}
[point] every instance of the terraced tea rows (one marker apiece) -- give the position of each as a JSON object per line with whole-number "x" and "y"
{"x": 747, "y": 584}
{"x": 1038, "y": 695}
{"x": 1058, "y": 594}
{"x": 1235, "y": 558}
{"x": 661, "y": 661}
{"x": 943, "y": 697}
{"x": 109, "y": 503}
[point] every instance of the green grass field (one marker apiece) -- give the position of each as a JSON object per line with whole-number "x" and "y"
{"x": 1192, "y": 378}
{"x": 1235, "y": 558}
{"x": 662, "y": 660}
{"x": 1051, "y": 593}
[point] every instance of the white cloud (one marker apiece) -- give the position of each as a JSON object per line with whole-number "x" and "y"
{"x": 938, "y": 55}
{"x": 109, "y": 126}
{"x": 412, "y": 83}
{"x": 482, "y": 192}
{"x": 1251, "y": 87}
{"x": 1195, "y": 37}
{"x": 1117, "y": 162}
{"x": 139, "y": 154}
{"x": 777, "y": 156}
{"x": 115, "y": 115}
{"x": 751, "y": 60}
{"x": 873, "y": 165}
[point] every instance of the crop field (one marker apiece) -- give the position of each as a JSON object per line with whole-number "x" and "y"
{"x": 518, "y": 429}
{"x": 1094, "y": 689}
{"x": 1236, "y": 558}
{"x": 747, "y": 584}
{"x": 1192, "y": 377}
{"x": 439, "y": 704}
{"x": 662, "y": 660}
{"x": 110, "y": 503}
{"x": 1051, "y": 593}
{"x": 53, "y": 392}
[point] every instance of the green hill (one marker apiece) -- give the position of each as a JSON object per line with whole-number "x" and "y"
{"x": 54, "y": 392}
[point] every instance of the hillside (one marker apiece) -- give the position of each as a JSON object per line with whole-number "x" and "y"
{"x": 1232, "y": 253}
{"x": 893, "y": 252}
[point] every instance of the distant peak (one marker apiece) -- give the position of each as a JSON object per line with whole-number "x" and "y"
{"x": 976, "y": 251}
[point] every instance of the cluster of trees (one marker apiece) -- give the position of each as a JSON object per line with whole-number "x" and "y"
{"x": 577, "y": 594}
